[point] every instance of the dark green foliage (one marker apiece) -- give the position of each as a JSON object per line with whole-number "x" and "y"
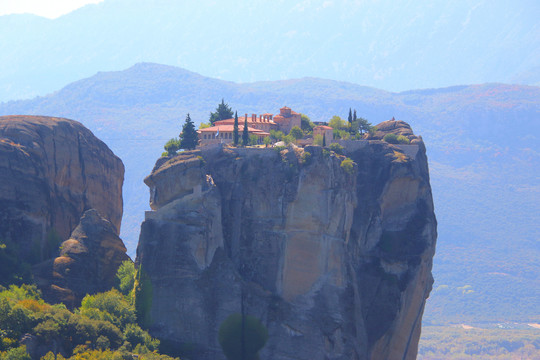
{"x": 188, "y": 137}
{"x": 335, "y": 147}
{"x": 306, "y": 157}
{"x": 235, "y": 129}
{"x": 364, "y": 126}
{"x": 126, "y": 277}
{"x": 53, "y": 242}
{"x": 223, "y": 111}
{"x": 296, "y": 132}
{"x": 230, "y": 337}
{"x": 172, "y": 146}
{"x": 13, "y": 270}
{"x": 143, "y": 297}
{"x": 391, "y": 138}
{"x": 245, "y": 133}
{"x": 306, "y": 124}
{"x": 350, "y": 118}
{"x": 324, "y": 140}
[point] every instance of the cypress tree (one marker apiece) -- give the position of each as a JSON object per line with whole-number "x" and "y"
{"x": 189, "y": 138}
{"x": 235, "y": 129}
{"x": 350, "y": 117}
{"x": 354, "y": 116}
{"x": 245, "y": 134}
{"x": 324, "y": 140}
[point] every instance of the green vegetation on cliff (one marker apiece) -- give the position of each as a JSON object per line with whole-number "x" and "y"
{"x": 103, "y": 327}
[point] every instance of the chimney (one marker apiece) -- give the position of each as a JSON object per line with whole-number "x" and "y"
{"x": 253, "y": 117}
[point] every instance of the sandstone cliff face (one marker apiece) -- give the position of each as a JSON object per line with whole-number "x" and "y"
{"x": 51, "y": 171}
{"x": 335, "y": 263}
{"x": 87, "y": 263}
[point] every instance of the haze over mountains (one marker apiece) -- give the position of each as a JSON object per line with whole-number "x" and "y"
{"x": 482, "y": 146}
{"x": 375, "y": 43}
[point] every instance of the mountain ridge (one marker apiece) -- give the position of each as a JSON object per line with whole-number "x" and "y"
{"x": 395, "y": 49}
{"x": 482, "y": 158}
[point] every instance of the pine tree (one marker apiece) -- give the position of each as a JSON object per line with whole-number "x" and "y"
{"x": 223, "y": 111}
{"x": 235, "y": 129}
{"x": 245, "y": 134}
{"x": 324, "y": 140}
{"x": 188, "y": 137}
{"x": 352, "y": 123}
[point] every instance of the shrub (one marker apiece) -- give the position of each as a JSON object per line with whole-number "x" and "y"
{"x": 348, "y": 165}
{"x": 296, "y": 133}
{"x": 335, "y": 147}
{"x": 230, "y": 337}
{"x": 318, "y": 140}
{"x": 172, "y": 146}
{"x": 403, "y": 140}
{"x": 391, "y": 138}
{"x": 306, "y": 157}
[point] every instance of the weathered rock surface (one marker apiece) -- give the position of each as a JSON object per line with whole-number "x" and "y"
{"x": 51, "y": 171}
{"x": 87, "y": 263}
{"x": 335, "y": 263}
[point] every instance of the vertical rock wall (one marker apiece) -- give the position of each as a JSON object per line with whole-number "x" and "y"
{"x": 335, "y": 262}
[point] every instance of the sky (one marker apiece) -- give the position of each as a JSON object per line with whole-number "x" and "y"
{"x": 47, "y": 8}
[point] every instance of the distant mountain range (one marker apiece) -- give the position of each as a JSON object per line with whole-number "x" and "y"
{"x": 482, "y": 143}
{"x": 384, "y": 44}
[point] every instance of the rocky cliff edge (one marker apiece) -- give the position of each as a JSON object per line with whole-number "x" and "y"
{"x": 334, "y": 259}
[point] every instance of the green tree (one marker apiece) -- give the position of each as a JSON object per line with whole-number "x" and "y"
{"x": 296, "y": 133}
{"x": 241, "y": 337}
{"x": 15, "y": 354}
{"x": 126, "y": 277}
{"x": 337, "y": 123}
{"x": 188, "y": 137}
{"x": 223, "y": 111}
{"x": 350, "y": 119}
{"x": 235, "y": 129}
{"x": 306, "y": 124}
{"x": 172, "y": 146}
{"x": 364, "y": 126}
{"x": 354, "y": 116}
{"x": 324, "y": 140}
{"x": 267, "y": 141}
{"x": 245, "y": 134}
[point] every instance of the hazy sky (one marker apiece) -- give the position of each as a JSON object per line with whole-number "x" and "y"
{"x": 47, "y": 8}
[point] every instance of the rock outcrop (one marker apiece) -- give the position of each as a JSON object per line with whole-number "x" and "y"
{"x": 87, "y": 263}
{"x": 333, "y": 258}
{"x": 51, "y": 171}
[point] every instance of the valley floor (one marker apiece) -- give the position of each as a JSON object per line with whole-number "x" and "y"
{"x": 486, "y": 341}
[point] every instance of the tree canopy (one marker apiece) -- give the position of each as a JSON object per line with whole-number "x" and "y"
{"x": 235, "y": 129}
{"x": 223, "y": 111}
{"x": 188, "y": 137}
{"x": 245, "y": 134}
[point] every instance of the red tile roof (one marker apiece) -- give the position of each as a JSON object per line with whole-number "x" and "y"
{"x": 323, "y": 127}
{"x": 230, "y": 128}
